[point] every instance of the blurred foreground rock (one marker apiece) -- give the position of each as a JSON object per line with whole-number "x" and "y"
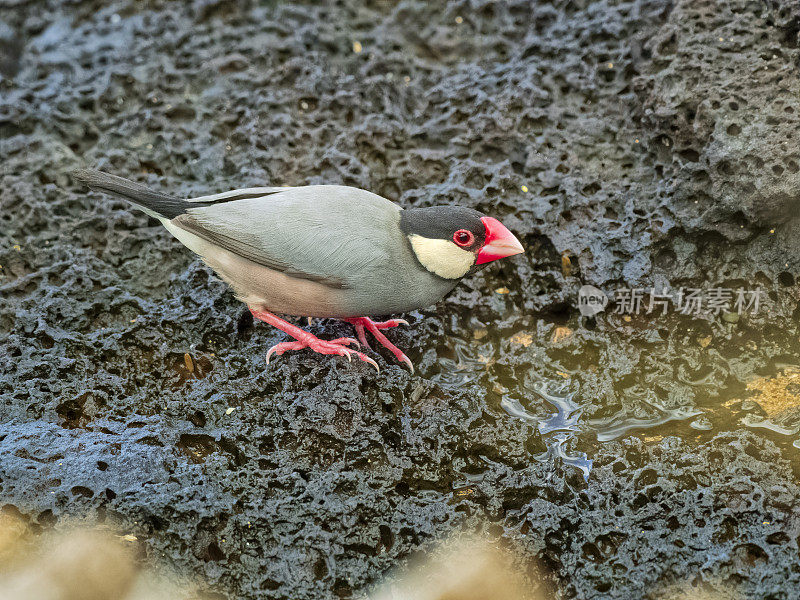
{"x": 75, "y": 564}
{"x": 463, "y": 569}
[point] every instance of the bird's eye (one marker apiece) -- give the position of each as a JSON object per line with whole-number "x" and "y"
{"x": 463, "y": 238}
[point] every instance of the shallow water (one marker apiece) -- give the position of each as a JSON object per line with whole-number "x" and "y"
{"x": 608, "y": 378}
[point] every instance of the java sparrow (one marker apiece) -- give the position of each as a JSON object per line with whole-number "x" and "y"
{"x": 325, "y": 251}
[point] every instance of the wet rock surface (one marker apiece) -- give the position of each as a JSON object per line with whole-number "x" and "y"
{"x": 604, "y": 134}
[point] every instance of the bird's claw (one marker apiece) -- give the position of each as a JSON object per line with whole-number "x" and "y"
{"x": 367, "y": 359}
{"x": 408, "y": 362}
{"x": 336, "y": 346}
{"x": 304, "y": 339}
{"x": 348, "y": 353}
{"x": 282, "y": 347}
{"x": 345, "y": 341}
{"x": 363, "y": 324}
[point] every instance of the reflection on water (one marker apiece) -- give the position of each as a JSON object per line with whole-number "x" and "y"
{"x": 702, "y": 423}
{"x": 566, "y": 423}
{"x": 756, "y": 421}
{"x": 643, "y": 376}
{"x": 463, "y": 363}
{"x": 558, "y": 428}
{"x": 622, "y": 424}
{"x": 555, "y": 449}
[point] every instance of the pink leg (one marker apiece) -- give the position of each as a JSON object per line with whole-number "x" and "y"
{"x": 304, "y": 339}
{"x": 362, "y": 323}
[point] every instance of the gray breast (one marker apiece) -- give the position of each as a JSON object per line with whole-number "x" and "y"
{"x": 396, "y": 284}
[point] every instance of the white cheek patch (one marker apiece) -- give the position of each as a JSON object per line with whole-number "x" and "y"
{"x": 442, "y": 257}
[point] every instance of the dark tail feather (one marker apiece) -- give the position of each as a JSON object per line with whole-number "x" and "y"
{"x": 152, "y": 201}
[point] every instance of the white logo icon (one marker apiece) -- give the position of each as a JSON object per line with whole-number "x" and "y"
{"x": 591, "y": 300}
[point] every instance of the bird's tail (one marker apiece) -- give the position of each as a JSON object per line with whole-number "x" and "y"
{"x": 154, "y": 203}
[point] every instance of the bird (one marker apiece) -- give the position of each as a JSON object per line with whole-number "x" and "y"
{"x": 324, "y": 251}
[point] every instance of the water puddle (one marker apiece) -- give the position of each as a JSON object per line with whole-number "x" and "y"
{"x": 558, "y": 429}
{"x": 777, "y": 397}
{"x": 623, "y": 424}
{"x": 462, "y": 365}
{"x": 650, "y": 378}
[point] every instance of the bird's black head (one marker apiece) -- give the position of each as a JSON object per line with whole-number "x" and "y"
{"x": 450, "y": 240}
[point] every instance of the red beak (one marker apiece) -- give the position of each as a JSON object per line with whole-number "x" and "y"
{"x": 500, "y": 242}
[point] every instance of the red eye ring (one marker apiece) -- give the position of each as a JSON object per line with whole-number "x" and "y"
{"x": 463, "y": 238}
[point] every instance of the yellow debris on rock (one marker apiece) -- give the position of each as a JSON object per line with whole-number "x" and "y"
{"x": 778, "y": 394}
{"x": 560, "y": 334}
{"x": 522, "y": 339}
{"x": 566, "y": 265}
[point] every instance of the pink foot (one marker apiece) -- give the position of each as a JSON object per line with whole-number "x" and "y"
{"x": 365, "y": 323}
{"x": 305, "y": 339}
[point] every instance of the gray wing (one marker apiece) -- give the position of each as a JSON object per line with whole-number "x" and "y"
{"x": 325, "y": 233}
{"x": 240, "y": 194}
